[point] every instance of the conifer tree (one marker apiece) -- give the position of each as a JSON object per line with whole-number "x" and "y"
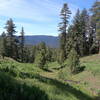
{"x": 76, "y": 33}
{"x": 84, "y": 19}
{"x": 49, "y": 54}
{"x": 22, "y": 40}
{"x": 73, "y": 59}
{"x": 91, "y": 36}
{"x": 40, "y": 59}
{"x": 10, "y": 28}
{"x": 65, "y": 14}
{"x": 71, "y": 40}
{"x": 3, "y": 45}
{"x": 80, "y": 31}
{"x": 96, "y": 18}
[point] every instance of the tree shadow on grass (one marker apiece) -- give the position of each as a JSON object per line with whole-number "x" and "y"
{"x": 66, "y": 88}
{"x": 97, "y": 98}
{"x": 80, "y": 69}
{"x": 62, "y": 66}
{"x": 47, "y": 70}
{"x": 11, "y": 89}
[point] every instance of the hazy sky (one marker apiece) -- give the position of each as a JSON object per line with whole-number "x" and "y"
{"x": 38, "y": 17}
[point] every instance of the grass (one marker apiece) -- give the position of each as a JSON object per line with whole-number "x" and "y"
{"x": 92, "y": 63}
{"x": 55, "y": 83}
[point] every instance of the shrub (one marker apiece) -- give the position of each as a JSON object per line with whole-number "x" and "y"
{"x": 73, "y": 60}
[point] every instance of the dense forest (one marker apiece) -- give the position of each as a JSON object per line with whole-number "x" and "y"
{"x": 77, "y": 39}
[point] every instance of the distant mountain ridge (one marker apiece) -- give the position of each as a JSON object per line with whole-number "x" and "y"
{"x": 52, "y": 41}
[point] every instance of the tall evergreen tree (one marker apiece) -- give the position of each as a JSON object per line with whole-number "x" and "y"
{"x": 96, "y": 18}
{"x": 76, "y": 33}
{"x": 71, "y": 39}
{"x": 80, "y": 31}
{"x": 3, "y": 45}
{"x": 84, "y": 19}
{"x": 91, "y": 36}
{"x": 22, "y": 40}
{"x": 10, "y": 28}
{"x": 41, "y": 55}
{"x": 65, "y": 14}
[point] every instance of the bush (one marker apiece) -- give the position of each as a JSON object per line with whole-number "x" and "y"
{"x": 9, "y": 68}
{"x": 73, "y": 61}
{"x": 40, "y": 59}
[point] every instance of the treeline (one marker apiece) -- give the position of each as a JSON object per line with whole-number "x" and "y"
{"x": 79, "y": 39}
{"x": 14, "y": 47}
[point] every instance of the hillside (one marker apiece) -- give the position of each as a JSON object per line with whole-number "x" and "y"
{"x": 51, "y": 41}
{"x": 25, "y": 81}
{"x": 63, "y": 63}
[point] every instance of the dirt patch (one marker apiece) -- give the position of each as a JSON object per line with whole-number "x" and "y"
{"x": 93, "y": 83}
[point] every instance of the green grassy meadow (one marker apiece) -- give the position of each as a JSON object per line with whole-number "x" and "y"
{"x": 25, "y": 81}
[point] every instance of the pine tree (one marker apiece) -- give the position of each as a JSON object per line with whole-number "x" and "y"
{"x": 79, "y": 31}
{"x": 91, "y": 36}
{"x": 49, "y": 54}
{"x": 73, "y": 59}
{"x": 76, "y": 33}
{"x": 61, "y": 58}
{"x": 22, "y": 40}
{"x": 65, "y": 14}
{"x": 11, "y": 39}
{"x": 3, "y": 45}
{"x": 15, "y": 48}
{"x": 32, "y": 55}
{"x": 71, "y": 41}
{"x": 96, "y": 18}
{"x": 84, "y": 19}
{"x": 40, "y": 59}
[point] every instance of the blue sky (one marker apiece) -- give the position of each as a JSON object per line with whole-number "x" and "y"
{"x": 38, "y": 17}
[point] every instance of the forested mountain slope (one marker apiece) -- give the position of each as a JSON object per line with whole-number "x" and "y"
{"x": 51, "y": 41}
